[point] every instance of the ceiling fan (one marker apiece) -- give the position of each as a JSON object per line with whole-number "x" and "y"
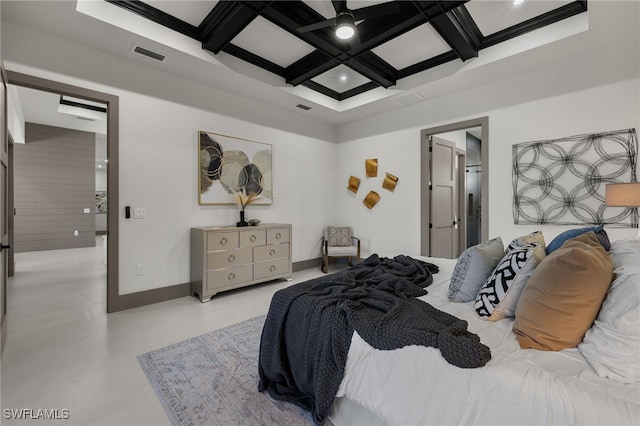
{"x": 345, "y": 20}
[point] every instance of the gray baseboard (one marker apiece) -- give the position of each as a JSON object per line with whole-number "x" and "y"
{"x": 306, "y": 264}
{"x": 147, "y": 297}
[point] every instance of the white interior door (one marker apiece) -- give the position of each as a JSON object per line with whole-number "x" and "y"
{"x": 444, "y": 199}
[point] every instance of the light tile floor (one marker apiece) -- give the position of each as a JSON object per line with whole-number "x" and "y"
{"x": 64, "y": 352}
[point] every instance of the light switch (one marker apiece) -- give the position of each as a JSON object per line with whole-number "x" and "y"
{"x": 87, "y": 210}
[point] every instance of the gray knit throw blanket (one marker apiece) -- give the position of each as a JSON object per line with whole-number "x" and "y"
{"x": 308, "y": 330}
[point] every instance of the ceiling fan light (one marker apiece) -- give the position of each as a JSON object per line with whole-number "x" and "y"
{"x": 345, "y": 26}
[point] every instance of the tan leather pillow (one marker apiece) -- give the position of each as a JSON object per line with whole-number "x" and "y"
{"x": 563, "y": 296}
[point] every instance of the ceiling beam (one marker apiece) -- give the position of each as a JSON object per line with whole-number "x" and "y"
{"x": 158, "y": 16}
{"x": 532, "y": 24}
{"x": 225, "y": 21}
{"x": 454, "y": 24}
{"x": 356, "y": 55}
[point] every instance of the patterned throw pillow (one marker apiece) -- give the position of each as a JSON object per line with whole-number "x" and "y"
{"x": 339, "y": 236}
{"x": 533, "y": 238}
{"x": 473, "y": 268}
{"x": 499, "y": 296}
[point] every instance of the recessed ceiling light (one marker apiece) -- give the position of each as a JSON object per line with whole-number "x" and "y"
{"x": 517, "y": 2}
{"x": 343, "y": 77}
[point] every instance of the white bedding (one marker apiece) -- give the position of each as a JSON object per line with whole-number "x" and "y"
{"x": 416, "y": 386}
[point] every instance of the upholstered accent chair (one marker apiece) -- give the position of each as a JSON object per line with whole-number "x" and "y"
{"x": 338, "y": 241}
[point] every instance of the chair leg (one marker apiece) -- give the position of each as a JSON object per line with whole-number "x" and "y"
{"x": 325, "y": 261}
{"x": 350, "y": 261}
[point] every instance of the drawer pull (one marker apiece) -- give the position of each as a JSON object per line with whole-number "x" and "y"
{"x": 272, "y": 252}
{"x": 223, "y": 241}
{"x": 253, "y": 238}
{"x": 278, "y": 236}
{"x": 231, "y": 258}
{"x": 232, "y": 276}
{"x": 273, "y": 268}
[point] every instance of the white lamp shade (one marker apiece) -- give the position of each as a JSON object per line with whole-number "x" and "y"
{"x": 622, "y": 195}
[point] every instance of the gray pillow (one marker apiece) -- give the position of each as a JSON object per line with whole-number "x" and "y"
{"x": 473, "y": 268}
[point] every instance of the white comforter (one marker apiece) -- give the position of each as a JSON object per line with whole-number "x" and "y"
{"x": 416, "y": 386}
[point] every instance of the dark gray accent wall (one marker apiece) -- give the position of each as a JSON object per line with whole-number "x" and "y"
{"x": 54, "y": 183}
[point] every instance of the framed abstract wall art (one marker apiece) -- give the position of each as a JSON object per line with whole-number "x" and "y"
{"x": 230, "y": 166}
{"x": 562, "y": 181}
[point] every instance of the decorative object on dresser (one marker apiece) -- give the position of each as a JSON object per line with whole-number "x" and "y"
{"x": 229, "y": 165}
{"x": 244, "y": 199}
{"x": 224, "y": 258}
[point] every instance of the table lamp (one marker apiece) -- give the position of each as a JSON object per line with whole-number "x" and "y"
{"x": 622, "y": 195}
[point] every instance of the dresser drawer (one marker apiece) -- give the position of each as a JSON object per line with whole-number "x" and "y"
{"x": 278, "y": 235}
{"x": 271, "y": 268}
{"x": 228, "y": 258}
{"x": 275, "y": 251}
{"x": 253, "y": 237}
{"x": 225, "y": 277}
{"x": 222, "y": 241}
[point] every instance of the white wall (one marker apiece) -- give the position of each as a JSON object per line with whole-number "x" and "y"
{"x": 393, "y": 226}
{"x": 158, "y": 155}
{"x": 160, "y": 115}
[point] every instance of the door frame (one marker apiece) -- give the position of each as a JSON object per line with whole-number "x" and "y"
{"x": 114, "y": 302}
{"x": 483, "y": 123}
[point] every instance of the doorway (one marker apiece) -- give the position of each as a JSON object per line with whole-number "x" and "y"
{"x": 454, "y": 214}
{"x": 112, "y": 103}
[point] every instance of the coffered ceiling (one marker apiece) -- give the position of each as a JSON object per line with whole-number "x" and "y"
{"x": 394, "y": 40}
{"x": 253, "y": 50}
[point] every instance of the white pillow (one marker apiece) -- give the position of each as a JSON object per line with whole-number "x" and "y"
{"x": 473, "y": 268}
{"x": 612, "y": 344}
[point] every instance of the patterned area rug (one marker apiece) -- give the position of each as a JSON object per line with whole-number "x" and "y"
{"x": 213, "y": 380}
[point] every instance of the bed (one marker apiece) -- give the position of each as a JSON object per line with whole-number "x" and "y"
{"x": 595, "y": 382}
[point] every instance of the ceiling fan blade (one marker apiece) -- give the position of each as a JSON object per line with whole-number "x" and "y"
{"x": 375, "y": 11}
{"x": 318, "y": 25}
{"x": 339, "y": 5}
{"x": 355, "y": 42}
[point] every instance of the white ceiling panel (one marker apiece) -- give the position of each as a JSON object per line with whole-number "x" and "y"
{"x": 341, "y": 79}
{"x": 271, "y": 42}
{"x": 190, "y": 11}
{"x": 492, "y": 16}
{"x": 412, "y": 47}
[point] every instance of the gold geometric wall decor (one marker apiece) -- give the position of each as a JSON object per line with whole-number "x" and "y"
{"x": 354, "y": 184}
{"x": 371, "y": 199}
{"x": 390, "y": 182}
{"x": 371, "y": 167}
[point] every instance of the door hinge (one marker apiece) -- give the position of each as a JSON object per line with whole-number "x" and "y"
{"x": 430, "y": 225}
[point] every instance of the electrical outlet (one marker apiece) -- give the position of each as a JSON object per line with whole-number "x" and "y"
{"x": 140, "y": 269}
{"x": 138, "y": 213}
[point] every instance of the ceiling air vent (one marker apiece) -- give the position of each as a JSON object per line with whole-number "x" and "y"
{"x": 148, "y": 53}
{"x": 304, "y": 107}
{"x": 408, "y": 98}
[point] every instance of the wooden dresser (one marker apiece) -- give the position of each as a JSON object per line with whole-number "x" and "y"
{"x": 223, "y": 258}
